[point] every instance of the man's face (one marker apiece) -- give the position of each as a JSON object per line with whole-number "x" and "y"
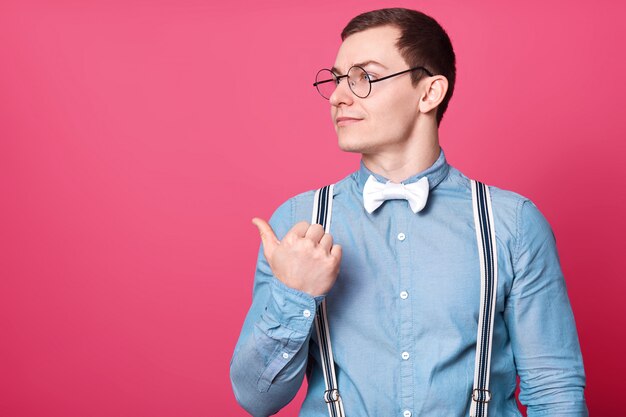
{"x": 387, "y": 117}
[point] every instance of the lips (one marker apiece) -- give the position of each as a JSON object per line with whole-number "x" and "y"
{"x": 344, "y": 121}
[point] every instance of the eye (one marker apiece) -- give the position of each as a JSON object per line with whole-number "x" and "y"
{"x": 370, "y": 77}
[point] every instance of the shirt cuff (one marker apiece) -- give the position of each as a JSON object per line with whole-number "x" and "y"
{"x": 292, "y": 308}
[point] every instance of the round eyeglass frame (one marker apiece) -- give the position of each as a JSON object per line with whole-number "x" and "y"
{"x": 337, "y": 79}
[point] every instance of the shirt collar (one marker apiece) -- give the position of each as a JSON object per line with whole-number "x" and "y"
{"x": 435, "y": 173}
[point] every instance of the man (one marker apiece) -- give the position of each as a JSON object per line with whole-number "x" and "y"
{"x": 402, "y": 283}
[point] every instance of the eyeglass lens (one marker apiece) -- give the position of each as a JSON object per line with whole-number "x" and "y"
{"x": 358, "y": 81}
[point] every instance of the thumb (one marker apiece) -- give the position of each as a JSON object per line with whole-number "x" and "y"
{"x": 268, "y": 237}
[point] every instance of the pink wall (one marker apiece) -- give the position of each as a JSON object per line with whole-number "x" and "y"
{"x": 138, "y": 139}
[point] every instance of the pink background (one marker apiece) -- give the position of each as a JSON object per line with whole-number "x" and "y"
{"x": 138, "y": 139}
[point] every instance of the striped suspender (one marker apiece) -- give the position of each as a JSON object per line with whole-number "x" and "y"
{"x": 486, "y": 238}
{"x": 322, "y": 209}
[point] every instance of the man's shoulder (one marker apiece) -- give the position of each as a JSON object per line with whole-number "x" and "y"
{"x": 506, "y": 197}
{"x": 501, "y": 197}
{"x": 509, "y": 207}
{"x": 299, "y": 207}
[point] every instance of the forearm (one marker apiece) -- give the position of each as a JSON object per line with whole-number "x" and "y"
{"x": 255, "y": 389}
{"x": 561, "y": 402}
{"x": 269, "y": 362}
{"x": 552, "y": 377}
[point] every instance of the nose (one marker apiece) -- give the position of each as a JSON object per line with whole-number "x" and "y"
{"x": 342, "y": 94}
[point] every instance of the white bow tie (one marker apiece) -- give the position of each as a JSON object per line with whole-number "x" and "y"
{"x": 375, "y": 193}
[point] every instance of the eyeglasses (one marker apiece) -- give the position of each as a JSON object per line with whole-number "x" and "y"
{"x": 359, "y": 81}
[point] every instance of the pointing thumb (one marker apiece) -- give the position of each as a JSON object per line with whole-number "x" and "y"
{"x": 268, "y": 237}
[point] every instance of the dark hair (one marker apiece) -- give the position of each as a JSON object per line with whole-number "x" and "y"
{"x": 422, "y": 42}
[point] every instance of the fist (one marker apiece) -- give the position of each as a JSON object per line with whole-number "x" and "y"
{"x": 306, "y": 259}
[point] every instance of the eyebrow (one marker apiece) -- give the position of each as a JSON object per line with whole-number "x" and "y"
{"x": 360, "y": 64}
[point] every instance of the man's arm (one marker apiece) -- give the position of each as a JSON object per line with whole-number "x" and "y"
{"x": 269, "y": 362}
{"x": 541, "y": 323}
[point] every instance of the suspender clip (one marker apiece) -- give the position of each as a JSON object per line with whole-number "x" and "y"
{"x": 331, "y": 395}
{"x": 481, "y": 395}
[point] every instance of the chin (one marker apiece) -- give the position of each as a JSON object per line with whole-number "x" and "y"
{"x": 349, "y": 144}
{"x": 352, "y": 147}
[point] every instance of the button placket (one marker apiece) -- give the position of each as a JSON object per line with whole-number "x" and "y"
{"x": 404, "y": 259}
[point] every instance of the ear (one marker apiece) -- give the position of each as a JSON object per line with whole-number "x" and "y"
{"x": 435, "y": 89}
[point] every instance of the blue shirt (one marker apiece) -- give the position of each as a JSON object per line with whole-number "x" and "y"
{"x": 403, "y": 312}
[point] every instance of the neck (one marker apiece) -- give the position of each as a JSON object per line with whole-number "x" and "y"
{"x": 407, "y": 158}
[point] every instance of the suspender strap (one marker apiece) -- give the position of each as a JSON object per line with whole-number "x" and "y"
{"x": 486, "y": 239}
{"x": 322, "y": 210}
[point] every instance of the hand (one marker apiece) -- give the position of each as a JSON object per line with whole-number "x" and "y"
{"x": 306, "y": 259}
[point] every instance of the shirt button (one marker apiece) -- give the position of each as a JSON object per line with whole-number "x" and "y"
{"x": 285, "y": 355}
{"x": 306, "y": 313}
{"x": 406, "y": 413}
{"x": 401, "y": 236}
{"x": 404, "y": 295}
{"x": 405, "y": 355}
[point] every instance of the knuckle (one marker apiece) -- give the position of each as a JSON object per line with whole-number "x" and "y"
{"x": 329, "y": 260}
{"x": 306, "y": 244}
